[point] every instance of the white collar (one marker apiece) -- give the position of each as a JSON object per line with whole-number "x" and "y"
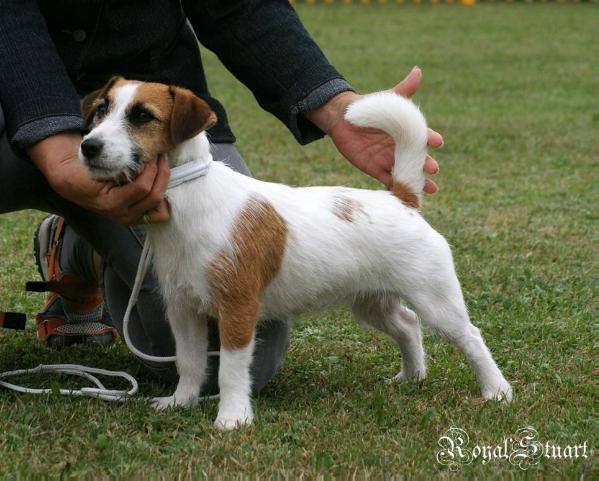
{"x": 188, "y": 171}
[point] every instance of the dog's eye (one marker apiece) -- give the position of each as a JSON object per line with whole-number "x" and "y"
{"x": 102, "y": 109}
{"x": 140, "y": 116}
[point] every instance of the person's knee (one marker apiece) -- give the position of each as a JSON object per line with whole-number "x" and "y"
{"x": 228, "y": 154}
{"x": 272, "y": 342}
{"x": 22, "y": 185}
{"x": 166, "y": 373}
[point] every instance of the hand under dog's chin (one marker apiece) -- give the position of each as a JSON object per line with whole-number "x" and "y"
{"x": 118, "y": 177}
{"x": 104, "y": 170}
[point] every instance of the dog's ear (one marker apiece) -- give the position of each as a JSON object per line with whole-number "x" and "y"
{"x": 190, "y": 115}
{"x": 87, "y": 103}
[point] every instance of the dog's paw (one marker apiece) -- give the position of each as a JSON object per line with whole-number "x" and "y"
{"x": 228, "y": 424}
{"x": 411, "y": 376}
{"x": 226, "y": 421}
{"x": 501, "y": 391}
{"x": 162, "y": 403}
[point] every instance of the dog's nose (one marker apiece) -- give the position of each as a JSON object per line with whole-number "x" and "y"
{"x": 91, "y": 147}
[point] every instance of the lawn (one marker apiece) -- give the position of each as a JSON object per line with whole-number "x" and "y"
{"x": 513, "y": 88}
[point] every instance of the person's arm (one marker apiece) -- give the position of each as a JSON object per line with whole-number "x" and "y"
{"x": 264, "y": 44}
{"x": 43, "y": 118}
{"x": 36, "y": 94}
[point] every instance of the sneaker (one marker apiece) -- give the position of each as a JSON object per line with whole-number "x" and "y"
{"x": 74, "y": 311}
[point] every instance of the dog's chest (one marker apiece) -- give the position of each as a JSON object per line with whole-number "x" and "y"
{"x": 180, "y": 262}
{"x": 189, "y": 248}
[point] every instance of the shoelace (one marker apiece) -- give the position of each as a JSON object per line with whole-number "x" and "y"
{"x": 179, "y": 175}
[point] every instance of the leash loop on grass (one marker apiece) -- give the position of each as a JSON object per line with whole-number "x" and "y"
{"x": 99, "y": 392}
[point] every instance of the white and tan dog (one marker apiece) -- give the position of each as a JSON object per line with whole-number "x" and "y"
{"x": 243, "y": 250}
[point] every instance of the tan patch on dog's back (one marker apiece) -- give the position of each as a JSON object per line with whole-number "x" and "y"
{"x": 346, "y": 208}
{"x": 405, "y": 193}
{"x": 237, "y": 279}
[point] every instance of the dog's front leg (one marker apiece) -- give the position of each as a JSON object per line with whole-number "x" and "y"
{"x": 191, "y": 336}
{"x": 236, "y": 331}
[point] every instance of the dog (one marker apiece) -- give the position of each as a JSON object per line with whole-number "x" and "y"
{"x": 243, "y": 251}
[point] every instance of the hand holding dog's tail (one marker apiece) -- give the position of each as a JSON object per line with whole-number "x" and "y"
{"x": 402, "y": 120}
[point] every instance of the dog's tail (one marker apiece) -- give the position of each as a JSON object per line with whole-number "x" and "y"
{"x": 403, "y": 121}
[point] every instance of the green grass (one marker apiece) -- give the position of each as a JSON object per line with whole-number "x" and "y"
{"x": 514, "y": 91}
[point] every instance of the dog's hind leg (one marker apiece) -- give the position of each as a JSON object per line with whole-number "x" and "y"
{"x": 387, "y": 313}
{"x": 191, "y": 336}
{"x": 450, "y": 318}
{"x": 435, "y": 294}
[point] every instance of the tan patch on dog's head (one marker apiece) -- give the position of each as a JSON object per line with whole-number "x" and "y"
{"x": 405, "y": 194}
{"x": 153, "y": 137}
{"x": 237, "y": 279}
{"x": 178, "y": 116}
{"x": 189, "y": 115}
{"x": 346, "y": 208}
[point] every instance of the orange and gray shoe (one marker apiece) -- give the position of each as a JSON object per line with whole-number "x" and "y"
{"x": 74, "y": 311}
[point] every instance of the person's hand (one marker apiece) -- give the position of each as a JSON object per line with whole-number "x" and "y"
{"x": 371, "y": 150}
{"x": 132, "y": 203}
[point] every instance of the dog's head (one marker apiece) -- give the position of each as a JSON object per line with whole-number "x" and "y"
{"x": 131, "y": 122}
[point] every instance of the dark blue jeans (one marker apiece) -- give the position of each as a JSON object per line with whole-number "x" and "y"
{"x": 22, "y": 186}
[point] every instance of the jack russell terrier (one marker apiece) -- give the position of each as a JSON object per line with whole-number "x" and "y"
{"x": 243, "y": 250}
